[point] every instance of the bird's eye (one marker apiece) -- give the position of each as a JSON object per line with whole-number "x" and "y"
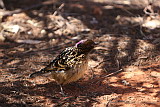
{"x": 83, "y": 56}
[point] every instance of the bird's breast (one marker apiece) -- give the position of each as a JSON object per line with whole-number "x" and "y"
{"x": 73, "y": 74}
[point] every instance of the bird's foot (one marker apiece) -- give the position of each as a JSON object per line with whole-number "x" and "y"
{"x": 62, "y": 92}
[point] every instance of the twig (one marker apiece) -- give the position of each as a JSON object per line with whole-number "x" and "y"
{"x": 99, "y": 64}
{"x": 59, "y": 8}
{"x": 142, "y": 31}
{"x": 113, "y": 73}
{"x": 118, "y": 63}
{"x": 110, "y": 74}
{"x": 9, "y": 13}
{"x": 148, "y": 10}
{"x": 122, "y": 8}
{"x": 2, "y": 4}
{"x": 127, "y": 11}
{"x": 108, "y": 103}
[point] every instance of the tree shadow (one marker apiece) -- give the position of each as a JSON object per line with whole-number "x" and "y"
{"x": 87, "y": 12}
{"x": 24, "y": 91}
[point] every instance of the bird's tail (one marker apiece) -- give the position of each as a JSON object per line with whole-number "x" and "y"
{"x": 38, "y": 73}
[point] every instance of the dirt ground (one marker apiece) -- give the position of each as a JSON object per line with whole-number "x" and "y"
{"x": 124, "y": 68}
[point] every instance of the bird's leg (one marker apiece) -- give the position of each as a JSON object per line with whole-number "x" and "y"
{"x": 61, "y": 89}
{"x": 62, "y": 92}
{"x": 92, "y": 71}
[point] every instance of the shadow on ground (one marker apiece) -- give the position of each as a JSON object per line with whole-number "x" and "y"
{"x": 120, "y": 45}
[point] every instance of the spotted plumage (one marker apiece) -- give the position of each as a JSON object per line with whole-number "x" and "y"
{"x": 70, "y": 65}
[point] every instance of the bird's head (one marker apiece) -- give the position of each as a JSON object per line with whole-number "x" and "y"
{"x": 85, "y": 45}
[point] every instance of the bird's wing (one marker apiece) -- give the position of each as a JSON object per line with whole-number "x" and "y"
{"x": 60, "y": 62}
{"x": 66, "y": 59}
{"x": 63, "y": 62}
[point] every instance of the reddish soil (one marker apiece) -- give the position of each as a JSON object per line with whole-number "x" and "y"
{"x": 124, "y": 68}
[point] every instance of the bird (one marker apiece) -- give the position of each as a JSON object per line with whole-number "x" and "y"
{"x": 70, "y": 65}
